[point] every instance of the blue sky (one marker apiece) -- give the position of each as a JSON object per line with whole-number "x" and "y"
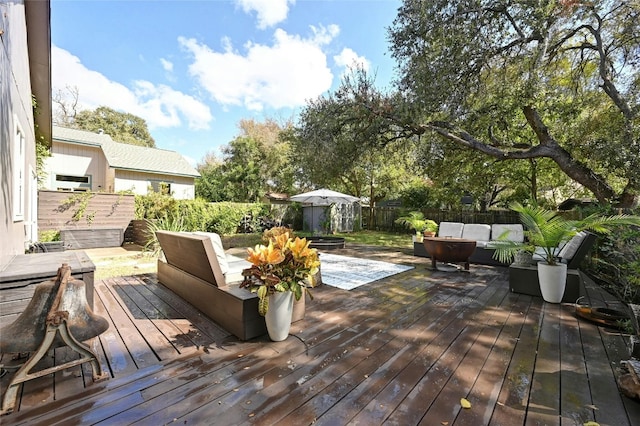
{"x": 194, "y": 69}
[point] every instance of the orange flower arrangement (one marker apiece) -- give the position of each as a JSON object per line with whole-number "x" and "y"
{"x": 282, "y": 265}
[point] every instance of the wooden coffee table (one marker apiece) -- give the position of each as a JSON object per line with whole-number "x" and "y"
{"x": 449, "y": 250}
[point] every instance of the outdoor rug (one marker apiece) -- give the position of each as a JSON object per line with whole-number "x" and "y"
{"x": 348, "y": 273}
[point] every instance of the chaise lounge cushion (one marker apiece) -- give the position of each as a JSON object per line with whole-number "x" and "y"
{"x": 574, "y": 252}
{"x": 216, "y": 241}
{"x": 231, "y": 266}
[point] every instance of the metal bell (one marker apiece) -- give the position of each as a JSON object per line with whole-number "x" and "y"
{"x": 27, "y": 332}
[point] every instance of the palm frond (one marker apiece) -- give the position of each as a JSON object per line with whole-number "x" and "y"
{"x": 550, "y": 231}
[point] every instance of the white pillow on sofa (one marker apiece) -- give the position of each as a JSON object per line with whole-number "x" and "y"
{"x": 450, "y": 229}
{"x": 478, "y": 232}
{"x": 569, "y": 250}
{"x": 516, "y": 231}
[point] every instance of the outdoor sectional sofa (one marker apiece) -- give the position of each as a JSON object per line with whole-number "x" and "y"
{"x": 196, "y": 268}
{"x": 572, "y": 253}
{"x": 522, "y": 278}
{"x": 482, "y": 234}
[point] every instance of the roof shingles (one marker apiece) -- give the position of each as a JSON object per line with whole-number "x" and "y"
{"x": 129, "y": 157}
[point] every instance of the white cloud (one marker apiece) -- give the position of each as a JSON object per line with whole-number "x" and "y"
{"x": 351, "y": 60}
{"x": 269, "y": 12}
{"x": 167, "y": 65}
{"x": 158, "y": 105}
{"x": 285, "y": 74}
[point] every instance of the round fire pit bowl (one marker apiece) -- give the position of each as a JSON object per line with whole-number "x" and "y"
{"x": 326, "y": 243}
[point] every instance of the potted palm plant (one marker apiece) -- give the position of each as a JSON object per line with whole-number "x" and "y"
{"x": 549, "y": 232}
{"x": 279, "y": 273}
{"x": 415, "y": 220}
{"x": 430, "y": 228}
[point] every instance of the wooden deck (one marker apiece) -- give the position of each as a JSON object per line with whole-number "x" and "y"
{"x": 403, "y": 351}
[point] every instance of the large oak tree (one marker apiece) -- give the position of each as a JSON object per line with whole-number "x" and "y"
{"x": 121, "y": 126}
{"x": 254, "y": 163}
{"x": 524, "y": 80}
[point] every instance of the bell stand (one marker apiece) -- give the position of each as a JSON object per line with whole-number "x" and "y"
{"x": 56, "y": 323}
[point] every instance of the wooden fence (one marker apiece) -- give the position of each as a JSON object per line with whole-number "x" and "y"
{"x": 86, "y": 219}
{"x": 384, "y": 217}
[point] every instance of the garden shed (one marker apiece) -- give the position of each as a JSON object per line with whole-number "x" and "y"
{"x": 327, "y": 211}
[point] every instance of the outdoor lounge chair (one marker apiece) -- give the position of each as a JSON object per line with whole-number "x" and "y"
{"x": 196, "y": 268}
{"x": 524, "y": 279}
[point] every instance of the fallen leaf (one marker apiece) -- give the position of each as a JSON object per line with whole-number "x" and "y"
{"x": 590, "y": 423}
{"x": 465, "y": 403}
{"x": 444, "y": 423}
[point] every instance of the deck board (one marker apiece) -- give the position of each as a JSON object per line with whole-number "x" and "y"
{"x": 402, "y": 351}
{"x": 439, "y": 365}
{"x": 544, "y": 404}
{"x": 485, "y": 391}
{"x": 123, "y": 356}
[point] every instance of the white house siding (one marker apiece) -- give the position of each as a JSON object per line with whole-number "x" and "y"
{"x": 182, "y": 187}
{"x": 18, "y": 223}
{"x": 77, "y": 160}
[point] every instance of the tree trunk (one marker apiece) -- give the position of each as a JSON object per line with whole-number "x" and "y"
{"x": 548, "y": 147}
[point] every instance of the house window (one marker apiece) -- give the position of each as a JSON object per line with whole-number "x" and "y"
{"x": 160, "y": 186}
{"x": 73, "y": 183}
{"x": 18, "y": 173}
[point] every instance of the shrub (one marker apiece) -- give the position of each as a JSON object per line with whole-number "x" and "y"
{"x": 615, "y": 261}
{"x": 197, "y": 215}
{"x": 164, "y": 224}
{"x": 155, "y": 205}
{"x": 48, "y": 236}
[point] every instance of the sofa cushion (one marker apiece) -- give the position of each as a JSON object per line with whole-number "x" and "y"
{"x": 450, "y": 229}
{"x": 516, "y": 232}
{"x": 478, "y": 232}
{"x": 217, "y": 247}
{"x": 192, "y": 253}
{"x": 539, "y": 255}
{"x": 236, "y": 266}
{"x": 570, "y": 249}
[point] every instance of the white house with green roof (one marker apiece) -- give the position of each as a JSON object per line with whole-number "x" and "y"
{"x": 88, "y": 161}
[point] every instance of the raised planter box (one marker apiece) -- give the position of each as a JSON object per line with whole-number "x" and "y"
{"x": 47, "y": 247}
{"x": 84, "y": 238}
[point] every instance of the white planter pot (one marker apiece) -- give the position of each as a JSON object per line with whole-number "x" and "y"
{"x": 278, "y": 317}
{"x": 552, "y": 279}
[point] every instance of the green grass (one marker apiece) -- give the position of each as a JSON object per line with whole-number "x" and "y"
{"x": 378, "y": 238}
{"x": 141, "y": 263}
{"x": 119, "y": 266}
{"x": 373, "y": 238}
